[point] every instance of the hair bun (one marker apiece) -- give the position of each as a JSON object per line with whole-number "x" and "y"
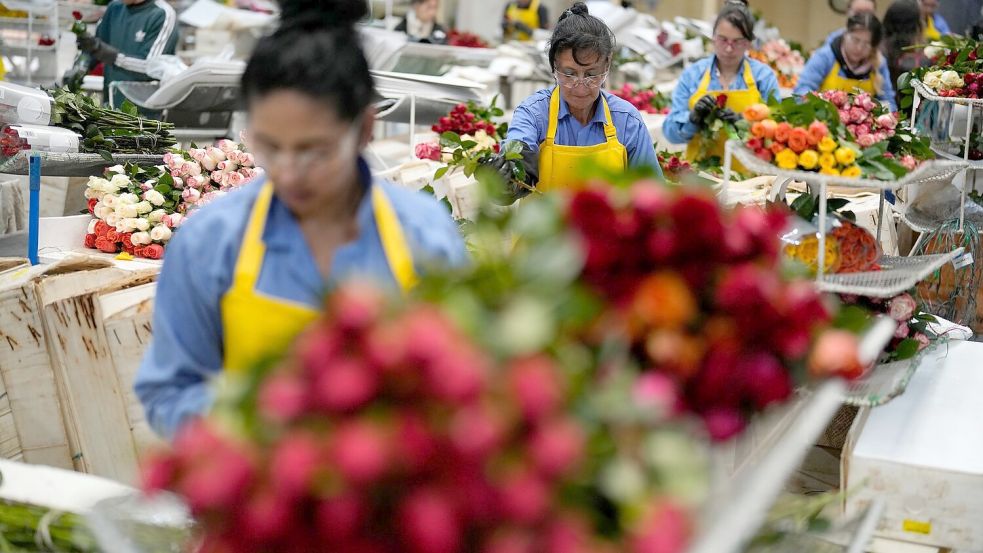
{"x": 321, "y": 14}
{"x": 577, "y": 9}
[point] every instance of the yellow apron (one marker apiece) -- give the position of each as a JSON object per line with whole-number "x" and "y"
{"x": 931, "y": 33}
{"x": 559, "y": 166}
{"x": 737, "y": 100}
{"x": 528, "y": 16}
{"x": 834, "y": 81}
{"x": 256, "y": 326}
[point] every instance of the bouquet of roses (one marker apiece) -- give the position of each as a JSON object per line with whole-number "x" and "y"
{"x": 955, "y": 71}
{"x": 912, "y": 334}
{"x": 468, "y": 135}
{"x": 714, "y": 127}
{"x": 204, "y": 174}
{"x": 645, "y": 99}
{"x": 783, "y": 59}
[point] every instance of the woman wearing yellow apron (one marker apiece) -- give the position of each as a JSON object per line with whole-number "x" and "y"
{"x": 522, "y": 17}
{"x": 576, "y": 122}
{"x": 935, "y": 24}
{"x": 850, "y": 62}
{"x": 728, "y": 72}
{"x": 248, "y": 272}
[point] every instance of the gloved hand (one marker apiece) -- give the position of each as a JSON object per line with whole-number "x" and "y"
{"x": 701, "y": 110}
{"x": 729, "y": 116}
{"x": 98, "y": 49}
{"x": 507, "y": 169}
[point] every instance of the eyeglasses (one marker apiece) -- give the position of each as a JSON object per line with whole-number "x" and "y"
{"x": 857, "y": 41}
{"x": 303, "y": 159}
{"x": 733, "y": 43}
{"x": 573, "y": 81}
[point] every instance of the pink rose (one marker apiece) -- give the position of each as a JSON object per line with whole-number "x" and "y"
{"x": 233, "y": 156}
{"x": 837, "y": 97}
{"x": 863, "y": 130}
{"x": 866, "y": 102}
{"x": 247, "y": 160}
{"x": 207, "y": 164}
{"x": 858, "y": 115}
{"x": 887, "y": 121}
{"x": 844, "y": 116}
{"x": 226, "y": 166}
{"x": 247, "y": 173}
{"x": 146, "y": 186}
{"x": 867, "y": 140}
{"x": 428, "y": 150}
{"x": 178, "y": 182}
{"x": 227, "y": 145}
{"x": 191, "y": 168}
{"x": 216, "y": 154}
{"x": 909, "y": 162}
{"x": 191, "y": 195}
{"x": 217, "y": 177}
{"x": 235, "y": 179}
{"x": 922, "y": 340}
{"x": 902, "y": 308}
{"x": 901, "y": 331}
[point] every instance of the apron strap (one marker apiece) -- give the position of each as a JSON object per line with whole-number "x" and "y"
{"x": 609, "y": 129}
{"x": 251, "y": 253}
{"x": 749, "y": 77}
{"x": 393, "y": 240}
{"x": 554, "y": 118}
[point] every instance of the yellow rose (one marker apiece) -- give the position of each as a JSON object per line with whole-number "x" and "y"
{"x": 832, "y": 171}
{"x": 808, "y": 159}
{"x": 786, "y": 159}
{"x": 827, "y": 144}
{"x": 827, "y": 160}
{"x": 851, "y": 172}
{"x": 845, "y": 156}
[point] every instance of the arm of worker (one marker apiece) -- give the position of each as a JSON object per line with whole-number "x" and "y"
{"x": 766, "y": 81}
{"x": 638, "y": 142}
{"x": 677, "y": 128}
{"x": 941, "y": 25}
{"x": 815, "y": 71}
{"x": 173, "y": 382}
{"x": 887, "y": 87}
{"x": 158, "y": 35}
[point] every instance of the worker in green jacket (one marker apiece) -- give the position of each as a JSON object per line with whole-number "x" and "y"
{"x": 130, "y": 33}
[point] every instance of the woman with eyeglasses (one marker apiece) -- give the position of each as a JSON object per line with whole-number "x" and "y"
{"x": 249, "y": 272}
{"x": 727, "y": 72}
{"x": 576, "y": 120}
{"x": 850, "y": 62}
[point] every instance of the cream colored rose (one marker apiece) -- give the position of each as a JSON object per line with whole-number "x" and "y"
{"x": 144, "y": 207}
{"x": 92, "y": 193}
{"x": 143, "y": 224}
{"x": 951, "y": 79}
{"x": 933, "y": 79}
{"x": 92, "y": 226}
{"x": 112, "y": 219}
{"x": 127, "y": 225}
{"x": 119, "y": 182}
{"x": 156, "y": 216}
{"x": 154, "y": 197}
{"x": 129, "y": 198}
{"x": 160, "y": 233}
{"x": 140, "y": 238}
{"x": 126, "y": 211}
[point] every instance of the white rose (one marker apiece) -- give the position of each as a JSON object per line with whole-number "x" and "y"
{"x": 932, "y": 51}
{"x": 129, "y": 198}
{"x": 144, "y": 207}
{"x": 140, "y": 238}
{"x": 143, "y": 224}
{"x": 126, "y": 211}
{"x": 951, "y": 79}
{"x": 92, "y": 226}
{"x": 156, "y": 216}
{"x": 933, "y": 79}
{"x": 112, "y": 219}
{"x": 116, "y": 169}
{"x": 109, "y": 200}
{"x": 154, "y": 197}
{"x": 92, "y": 193}
{"x": 97, "y": 183}
{"x": 128, "y": 225}
{"x": 102, "y": 211}
{"x": 160, "y": 233}
{"x": 119, "y": 182}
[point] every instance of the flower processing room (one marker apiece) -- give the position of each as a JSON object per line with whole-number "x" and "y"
{"x": 519, "y": 276}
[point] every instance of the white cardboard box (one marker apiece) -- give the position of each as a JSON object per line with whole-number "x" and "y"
{"x": 923, "y": 454}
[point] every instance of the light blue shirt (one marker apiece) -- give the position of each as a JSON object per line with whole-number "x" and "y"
{"x": 677, "y": 127}
{"x": 941, "y": 25}
{"x": 832, "y": 36}
{"x": 821, "y": 63}
{"x": 531, "y": 121}
{"x": 173, "y": 382}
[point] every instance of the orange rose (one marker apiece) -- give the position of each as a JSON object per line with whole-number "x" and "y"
{"x": 664, "y": 300}
{"x": 782, "y": 132}
{"x": 776, "y": 147}
{"x": 757, "y": 112}
{"x": 769, "y": 126}
{"x": 818, "y": 131}
{"x": 798, "y": 140}
{"x": 758, "y": 130}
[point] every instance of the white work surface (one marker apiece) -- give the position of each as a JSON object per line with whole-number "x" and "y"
{"x": 923, "y": 454}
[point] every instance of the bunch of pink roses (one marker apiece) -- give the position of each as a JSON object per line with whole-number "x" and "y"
{"x": 867, "y": 120}
{"x": 207, "y": 173}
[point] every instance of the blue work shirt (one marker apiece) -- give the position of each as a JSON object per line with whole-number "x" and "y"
{"x": 173, "y": 382}
{"x": 677, "y": 127}
{"x": 941, "y": 25}
{"x": 821, "y": 63}
{"x": 834, "y": 35}
{"x": 531, "y": 121}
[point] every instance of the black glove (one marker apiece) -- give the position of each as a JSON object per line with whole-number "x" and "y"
{"x": 98, "y": 49}
{"x": 701, "y": 110}
{"x": 729, "y": 116}
{"x": 507, "y": 168}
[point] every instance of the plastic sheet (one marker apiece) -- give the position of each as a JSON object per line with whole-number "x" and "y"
{"x": 20, "y": 104}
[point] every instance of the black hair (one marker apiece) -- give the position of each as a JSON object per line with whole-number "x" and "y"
{"x": 744, "y": 3}
{"x": 737, "y": 14}
{"x": 315, "y": 51}
{"x": 415, "y": 2}
{"x": 867, "y": 22}
{"x": 903, "y": 19}
{"x": 580, "y": 32}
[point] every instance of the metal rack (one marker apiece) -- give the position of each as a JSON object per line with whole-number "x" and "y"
{"x": 20, "y": 37}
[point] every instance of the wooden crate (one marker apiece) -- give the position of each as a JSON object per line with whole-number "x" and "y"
{"x": 35, "y": 428}
{"x": 93, "y": 398}
{"x": 127, "y": 320}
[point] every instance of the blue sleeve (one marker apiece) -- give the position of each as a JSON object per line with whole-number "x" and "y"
{"x": 438, "y": 241}
{"x": 815, "y": 71}
{"x": 527, "y": 126}
{"x": 638, "y": 141}
{"x": 887, "y": 87}
{"x": 173, "y": 382}
{"x": 766, "y": 81}
{"x": 677, "y": 127}
{"x": 941, "y": 25}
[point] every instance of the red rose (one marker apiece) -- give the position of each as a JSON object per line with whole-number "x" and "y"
{"x": 92, "y": 205}
{"x": 102, "y": 227}
{"x": 153, "y": 251}
{"x": 90, "y": 241}
{"x": 77, "y": 15}
{"x": 138, "y": 251}
{"x": 125, "y": 238}
{"x": 104, "y": 245}
{"x": 721, "y": 101}
{"x": 112, "y": 236}
{"x": 764, "y": 379}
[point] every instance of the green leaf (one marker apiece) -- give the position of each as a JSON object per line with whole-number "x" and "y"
{"x": 805, "y": 206}
{"x": 167, "y": 180}
{"x": 163, "y": 189}
{"x": 450, "y": 138}
{"x": 906, "y": 349}
{"x": 105, "y": 155}
{"x": 129, "y": 108}
{"x": 853, "y": 318}
{"x": 836, "y": 204}
{"x": 439, "y": 174}
{"x": 468, "y": 144}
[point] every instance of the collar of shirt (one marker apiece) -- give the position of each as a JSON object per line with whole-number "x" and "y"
{"x": 598, "y": 110}
{"x": 738, "y": 79}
